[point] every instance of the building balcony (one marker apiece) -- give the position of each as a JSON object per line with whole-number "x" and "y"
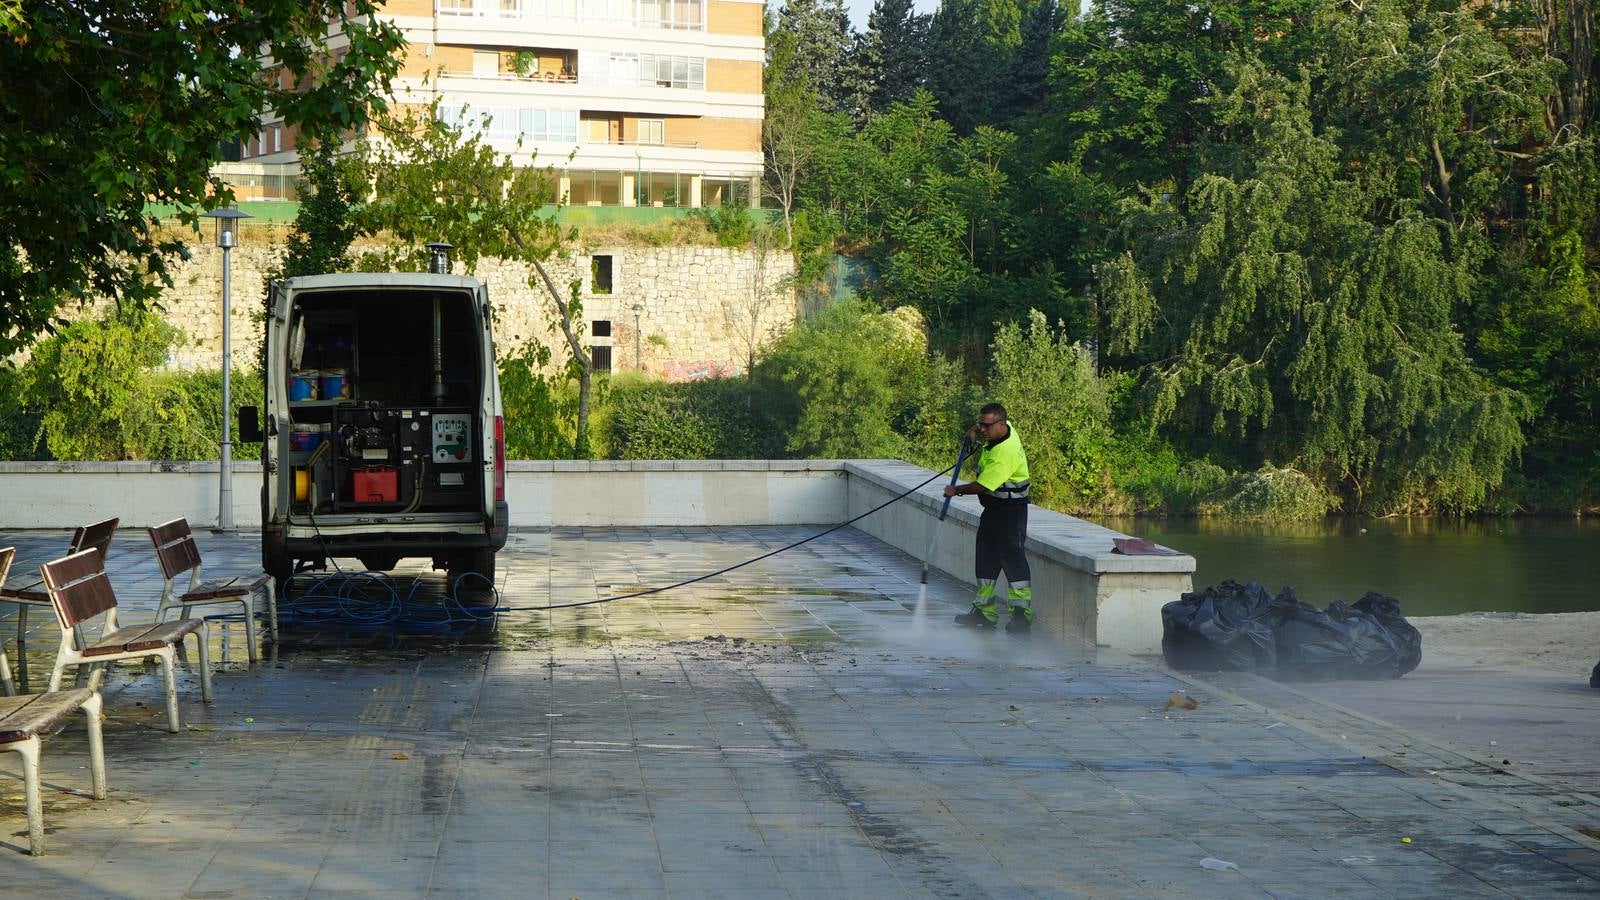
{"x": 663, "y": 15}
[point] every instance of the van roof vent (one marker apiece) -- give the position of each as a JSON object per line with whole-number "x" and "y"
{"x": 439, "y": 258}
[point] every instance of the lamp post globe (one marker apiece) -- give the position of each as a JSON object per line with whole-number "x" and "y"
{"x": 227, "y": 235}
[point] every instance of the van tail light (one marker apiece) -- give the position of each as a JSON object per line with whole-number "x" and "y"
{"x": 499, "y": 459}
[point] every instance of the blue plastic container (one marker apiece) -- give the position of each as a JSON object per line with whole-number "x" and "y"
{"x": 335, "y": 385}
{"x": 303, "y": 386}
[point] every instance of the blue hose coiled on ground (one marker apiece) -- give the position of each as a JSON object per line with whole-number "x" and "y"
{"x": 371, "y": 601}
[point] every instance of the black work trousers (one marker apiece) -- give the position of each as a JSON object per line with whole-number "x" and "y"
{"x": 1002, "y": 531}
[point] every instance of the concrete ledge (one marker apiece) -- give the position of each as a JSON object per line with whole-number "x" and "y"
{"x": 1081, "y": 588}
{"x": 690, "y": 493}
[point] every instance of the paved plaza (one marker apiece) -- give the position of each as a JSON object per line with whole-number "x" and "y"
{"x": 791, "y": 729}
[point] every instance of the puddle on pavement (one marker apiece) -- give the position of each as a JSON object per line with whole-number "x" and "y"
{"x": 416, "y": 612}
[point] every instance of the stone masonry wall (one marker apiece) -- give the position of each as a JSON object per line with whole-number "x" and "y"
{"x": 700, "y": 308}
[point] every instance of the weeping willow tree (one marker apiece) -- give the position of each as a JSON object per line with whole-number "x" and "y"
{"x": 1298, "y": 312}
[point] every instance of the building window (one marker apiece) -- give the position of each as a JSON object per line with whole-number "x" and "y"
{"x": 594, "y": 188}
{"x": 675, "y": 14}
{"x": 600, "y": 275}
{"x": 652, "y": 131}
{"x": 641, "y": 69}
{"x": 277, "y": 139}
{"x": 601, "y": 357}
{"x": 553, "y": 126}
{"x": 601, "y": 328}
{"x": 478, "y": 7}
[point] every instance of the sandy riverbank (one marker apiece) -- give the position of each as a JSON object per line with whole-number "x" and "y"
{"x": 1565, "y": 643}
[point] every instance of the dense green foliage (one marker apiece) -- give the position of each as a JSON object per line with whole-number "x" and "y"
{"x": 1048, "y": 382}
{"x": 1251, "y": 257}
{"x": 98, "y": 390}
{"x": 1349, "y": 250}
{"x": 113, "y": 104}
{"x": 433, "y": 181}
{"x": 323, "y": 225}
{"x": 710, "y": 419}
{"x": 541, "y": 407}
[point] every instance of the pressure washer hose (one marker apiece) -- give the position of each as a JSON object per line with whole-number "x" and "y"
{"x": 324, "y": 600}
{"x": 892, "y": 500}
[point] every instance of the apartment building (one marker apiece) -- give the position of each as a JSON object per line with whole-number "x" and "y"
{"x": 634, "y": 102}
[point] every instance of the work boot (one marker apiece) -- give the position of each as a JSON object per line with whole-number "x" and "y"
{"x": 1019, "y": 622}
{"x": 975, "y": 618}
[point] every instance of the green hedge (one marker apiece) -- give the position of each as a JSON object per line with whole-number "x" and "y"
{"x": 97, "y": 391}
{"x": 710, "y": 419}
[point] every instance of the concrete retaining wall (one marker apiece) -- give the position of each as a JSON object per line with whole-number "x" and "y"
{"x": 701, "y": 310}
{"x": 1080, "y": 587}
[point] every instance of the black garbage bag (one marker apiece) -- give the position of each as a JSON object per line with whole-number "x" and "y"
{"x": 1234, "y": 627}
{"x": 1408, "y": 640}
{"x": 1337, "y": 644}
{"x": 1226, "y": 627}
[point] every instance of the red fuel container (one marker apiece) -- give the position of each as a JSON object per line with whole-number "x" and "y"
{"x": 376, "y": 485}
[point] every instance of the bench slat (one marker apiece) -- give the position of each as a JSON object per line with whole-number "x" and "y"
{"x": 141, "y": 637}
{"x": 238, "y": 586}
{"x": 82, "y": 590}
{"x": 23, "y": 717}
{"x": 175, "y": 547}
{"x": 97, "y": 536}
{"x": 26, "y": 590}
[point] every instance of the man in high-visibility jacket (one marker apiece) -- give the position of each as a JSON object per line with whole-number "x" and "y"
{"x": 1002, "y": 489}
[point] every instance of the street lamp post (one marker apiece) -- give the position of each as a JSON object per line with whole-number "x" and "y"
{"x": 227, "y": 226}
{"x": 637, "y": 309}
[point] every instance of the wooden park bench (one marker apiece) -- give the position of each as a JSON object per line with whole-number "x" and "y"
{"x": 80, "y": 592}
{"x": 27, "y": 591}
{"x": 24, "y": 721}
{"x": 177, "y": 552}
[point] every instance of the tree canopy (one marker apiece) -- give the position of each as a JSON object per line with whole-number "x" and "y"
{"x": 112, "y": 105}
{"x": 1356, "y": 240}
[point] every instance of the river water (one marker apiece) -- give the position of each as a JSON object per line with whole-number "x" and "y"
{"x": 1435, "y": 567}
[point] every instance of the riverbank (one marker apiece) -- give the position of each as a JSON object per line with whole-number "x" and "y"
{"x": 1509, "y": 690}
{"x": 1558, "y": 643}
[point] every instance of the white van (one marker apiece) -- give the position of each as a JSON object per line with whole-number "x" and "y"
{"x": 383, "y": 433}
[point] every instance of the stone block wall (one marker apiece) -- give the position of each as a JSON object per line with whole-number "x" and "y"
{"x": 700, "y": 308}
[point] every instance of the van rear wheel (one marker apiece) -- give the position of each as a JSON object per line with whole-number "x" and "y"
{"x": 278, "y": 566}
{"x": 477, "y": 562}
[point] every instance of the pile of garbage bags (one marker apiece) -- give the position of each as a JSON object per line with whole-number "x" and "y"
{"x": 1230, "y": 626}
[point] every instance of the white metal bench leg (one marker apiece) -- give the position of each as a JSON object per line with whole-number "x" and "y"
{"x": 57, "y": 673}
{"x": 202, "y": 637}
{"x": 80, "y": 678}
{"x": 6, "y": 684}
{"x": 92, "y": 709}
{"x": 249, "y": 627}
{"x": 168, "y": 664}
{"x": 183, "y": 652}
{"x": 29, "y": 751}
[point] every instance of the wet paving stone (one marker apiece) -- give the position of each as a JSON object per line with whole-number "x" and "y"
{"x": 794, "y": 728}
